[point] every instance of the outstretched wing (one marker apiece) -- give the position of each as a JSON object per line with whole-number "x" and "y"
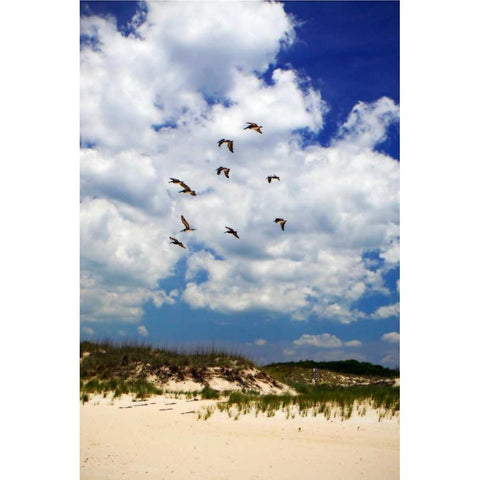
{"x": 230, "y": 145}
{"x": 184, "y": 221}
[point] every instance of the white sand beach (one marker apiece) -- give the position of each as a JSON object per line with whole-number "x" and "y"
{"x": 159, "y": 439}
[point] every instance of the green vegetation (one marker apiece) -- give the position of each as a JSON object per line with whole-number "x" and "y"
{"x": 209, "y": 393}
{"x": 107, "y": 358}
{"x": 326, "y": 401}
{"x": 351, "y": 367}
{"x": 141, "y": 388}
{"x": 129, "y": 369}
{"x": 125, "y": 368}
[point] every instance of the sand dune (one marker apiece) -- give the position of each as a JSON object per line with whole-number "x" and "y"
{"x": 160, "y": 439}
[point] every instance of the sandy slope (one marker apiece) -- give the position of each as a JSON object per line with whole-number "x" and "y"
{"x": 146, "y": 441}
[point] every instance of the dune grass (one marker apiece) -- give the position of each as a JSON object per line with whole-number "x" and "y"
{"x": 108, "y": 357}
{"x": 124, "y": 369}
{"x": 288, "y": 370}
{"x": 327, "y": 401}
{"x": 140, "y": 388}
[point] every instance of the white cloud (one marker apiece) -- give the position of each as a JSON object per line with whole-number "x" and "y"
{"x": 387, "y": 311}
{"x": 121, "y": 241}
{"x": 324, "y": 340}
{"x": 392, "y": 337}
{"x": 366, "y": 125}
{"x": 392, "y": 254}
{"x": 260, "y": 342}
{"x": 142, "y": 330}
{"x": 339, "y": 201}
{"x": 129, "y": 83}
{"x": 100, "y": 302}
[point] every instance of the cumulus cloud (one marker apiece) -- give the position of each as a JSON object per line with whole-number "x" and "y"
{"x": 142, "y": 330}
{"x": 392, "y": 337}
{"x": 387, "y": 311}
{"x": 260, "y": 342}
{"x": 366, "y": 125}
{"x": 153, "y": 106}
{"x": 102, "y": 302}
{"x": 324, "y": 340}
{"x": 179, "y": 56}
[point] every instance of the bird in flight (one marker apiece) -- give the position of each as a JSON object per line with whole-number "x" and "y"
{"x": 186, "y": 188}
{"x": 232, "y": 231}
{"x": 225, "y": 170}
{"x": 176, "y": 242}
{"x": 228, "y": 142}
{"x": 271, "y": 177}
{"x": 187, "y": 225}
{"x": 253, "y": 126}
{"x": 281, "y": 221}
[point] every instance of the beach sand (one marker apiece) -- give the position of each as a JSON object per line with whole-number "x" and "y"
{"x": 156, "y": 439}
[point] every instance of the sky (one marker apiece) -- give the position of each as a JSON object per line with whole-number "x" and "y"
{"x": 160, "y": 84}
{"x": 440, "y": 259}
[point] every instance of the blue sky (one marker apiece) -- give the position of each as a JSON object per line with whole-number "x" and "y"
{"x": 323, "y": 80}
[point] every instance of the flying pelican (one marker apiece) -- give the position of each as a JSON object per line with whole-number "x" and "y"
{"x": 232, "y": 231}
{"x": 225, "y": 170}
{"x": 271, "y": 177}
{"x": 187, "y": 225}
{"x": 186, "y": 188}
{"x": 176, "y": 242}
{"x": 281, "y": 221}
{"x": 228, "y": 142}
{"x": 254, "y": 126}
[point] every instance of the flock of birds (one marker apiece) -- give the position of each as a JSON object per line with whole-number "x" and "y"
{"x": 226, "y": 171}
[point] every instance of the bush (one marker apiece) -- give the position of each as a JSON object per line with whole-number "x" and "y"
{"x": 210, "y": 394}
